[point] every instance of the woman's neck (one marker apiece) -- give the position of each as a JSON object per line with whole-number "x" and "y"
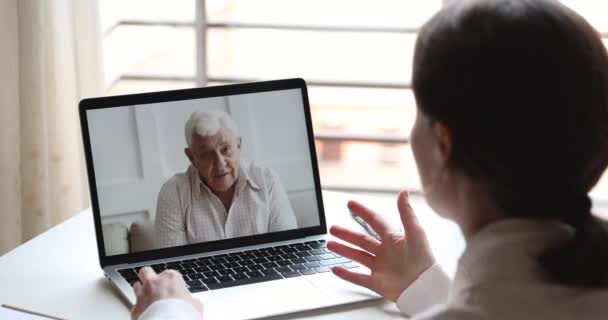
{"x": 476, "y": 210}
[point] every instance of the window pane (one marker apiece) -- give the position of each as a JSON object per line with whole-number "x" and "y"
{"x": 600, "y": 191}
{"x": 138, "y": 86}
{"x": 113, "y": 11}
{"x": 384, "y": 13}
{"x": 596, "y": 12}
{"x": 362, "y": 111}
{"x": 149, "y": 50}
{"x": 367, "y": 165}
{"x": 351, "y": 56}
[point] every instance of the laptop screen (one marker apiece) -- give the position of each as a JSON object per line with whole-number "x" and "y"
{"x": 192, "y": 171}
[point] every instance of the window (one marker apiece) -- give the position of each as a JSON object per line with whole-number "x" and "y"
{"x": 356, "y": 56}
{"x": 357, "y": 63}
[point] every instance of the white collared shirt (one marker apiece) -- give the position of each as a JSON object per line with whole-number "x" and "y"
{"x": 497, "y": 278}
{"x": 188, "y": 212}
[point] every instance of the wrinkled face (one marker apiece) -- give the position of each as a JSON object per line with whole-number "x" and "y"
{"x": 216, "y": 158}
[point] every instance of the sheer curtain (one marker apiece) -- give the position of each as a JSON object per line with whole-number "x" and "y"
{"x": 49, "y": 60}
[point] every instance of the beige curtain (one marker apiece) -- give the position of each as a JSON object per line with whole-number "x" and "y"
{"x": 50, "y": 58}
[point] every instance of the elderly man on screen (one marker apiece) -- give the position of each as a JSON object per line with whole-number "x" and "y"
{"x": 219, "y": 196}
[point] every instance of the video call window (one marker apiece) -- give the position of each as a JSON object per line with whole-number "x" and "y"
{"x": 200, "y": 170}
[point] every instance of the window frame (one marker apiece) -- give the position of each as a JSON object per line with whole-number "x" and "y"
{"x": 202, "y": 25}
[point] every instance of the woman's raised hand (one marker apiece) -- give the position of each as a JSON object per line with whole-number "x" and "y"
{"x": 395, "y": 261}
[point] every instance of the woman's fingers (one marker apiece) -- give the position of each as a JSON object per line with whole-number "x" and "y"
{"x": 146, "y": 274}
{"x": 373, "y": 219}
{"x": 408, "y": 217}
{"x": 360, "y": 240}
{"x": 360, "y": 256}
{"x": 359, "y": 279}
{"x": 137, "y": 288}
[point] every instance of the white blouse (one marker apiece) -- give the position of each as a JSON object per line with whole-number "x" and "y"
{"x": 497, "y": 278}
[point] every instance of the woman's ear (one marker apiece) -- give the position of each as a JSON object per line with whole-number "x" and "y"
{"x": 443, "y": 137}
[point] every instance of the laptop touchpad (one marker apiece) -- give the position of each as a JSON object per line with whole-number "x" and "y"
{"x": 342, "y": 290}
{"x": 263, "y": 299}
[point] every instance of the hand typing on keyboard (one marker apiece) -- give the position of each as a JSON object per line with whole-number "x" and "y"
{"x": 152, "y": 287}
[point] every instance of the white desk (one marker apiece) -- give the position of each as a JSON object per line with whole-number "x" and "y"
{"x": 58, "y": 272}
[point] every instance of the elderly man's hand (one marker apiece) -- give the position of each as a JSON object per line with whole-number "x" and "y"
{"x": 152, "y": 287}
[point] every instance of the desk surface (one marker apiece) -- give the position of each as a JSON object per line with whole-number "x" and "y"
{"x": 58, "y": 272}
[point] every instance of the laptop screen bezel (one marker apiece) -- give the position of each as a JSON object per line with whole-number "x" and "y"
{"x": 188, "y": 94}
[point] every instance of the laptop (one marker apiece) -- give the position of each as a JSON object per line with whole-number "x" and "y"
{"x": 263, "y": 246}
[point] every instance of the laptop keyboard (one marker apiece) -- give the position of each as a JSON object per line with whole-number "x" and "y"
{"x": 251, "y": 266}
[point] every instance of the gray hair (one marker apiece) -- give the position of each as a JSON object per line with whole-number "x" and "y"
{"x": 209, "y": 123}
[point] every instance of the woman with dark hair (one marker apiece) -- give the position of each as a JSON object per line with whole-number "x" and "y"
{"x": 511, "y": 134}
